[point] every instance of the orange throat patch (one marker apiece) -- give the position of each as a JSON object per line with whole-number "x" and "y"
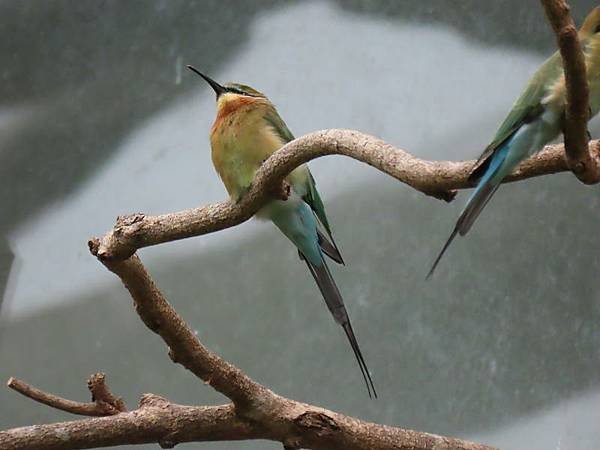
{"x": 229, "y": 107}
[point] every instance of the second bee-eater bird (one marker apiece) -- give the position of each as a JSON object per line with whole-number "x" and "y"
{"x": 535, "y": 119}
{"x": 246, "y": 131}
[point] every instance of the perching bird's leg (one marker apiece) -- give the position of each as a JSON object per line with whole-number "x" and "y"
{"x": 281, "y": 191}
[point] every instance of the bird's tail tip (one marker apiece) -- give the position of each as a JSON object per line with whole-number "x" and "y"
{"x": 366, "y": 373}
{"x": 429, "y": 274}
{"x": 441, "y": 253}
{"x": 374, "y": 396}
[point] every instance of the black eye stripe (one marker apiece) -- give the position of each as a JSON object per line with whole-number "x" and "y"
{"x": 240, "y": 92}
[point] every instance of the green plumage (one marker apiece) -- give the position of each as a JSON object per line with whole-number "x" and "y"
{"x": 247, "y": 130}
{"x": 312, "y": 195}
{"x": 526, "y": 108}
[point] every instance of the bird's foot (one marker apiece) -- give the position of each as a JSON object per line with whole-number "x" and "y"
{"x": 282, "y": 191}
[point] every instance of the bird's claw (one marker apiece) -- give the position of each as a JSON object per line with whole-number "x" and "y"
{"x": 282, "y": 191}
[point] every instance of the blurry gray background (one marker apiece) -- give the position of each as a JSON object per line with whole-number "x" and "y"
{"x": 98, "y": 117}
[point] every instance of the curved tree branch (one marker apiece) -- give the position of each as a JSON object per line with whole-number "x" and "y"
{"x": 583, "y": 163}
{"x": 435, "y": 178}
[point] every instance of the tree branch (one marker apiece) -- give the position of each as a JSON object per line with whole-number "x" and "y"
{"x": 257, "y": 413}
{"x": 156, "y": 421}
{"x": 435, "y": 178}
{"x": 184, "y": 347}
{"x": 101, "y": 393}
{"x": 583, "y": 163}
{"x": 103, "y": 402}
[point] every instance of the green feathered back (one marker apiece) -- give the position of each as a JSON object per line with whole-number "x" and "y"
{"x": 311, "y": 197}
{"x": 526, "y": 108}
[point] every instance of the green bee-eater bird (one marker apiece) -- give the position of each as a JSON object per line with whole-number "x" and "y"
{"x": 247, "y": 130}
{"x": 535, "y": 119}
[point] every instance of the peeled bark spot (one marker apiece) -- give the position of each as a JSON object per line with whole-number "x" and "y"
{"x": 317, "y": 422}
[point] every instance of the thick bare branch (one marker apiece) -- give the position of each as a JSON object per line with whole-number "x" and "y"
{"x": 184, "y": 347}
{"x": 583, "y": 163}
{"x": 105, "y": 405}
{"x": 438, "y": 179}
{"x": 158, "y": 421}
{"x": 320, "y": 429}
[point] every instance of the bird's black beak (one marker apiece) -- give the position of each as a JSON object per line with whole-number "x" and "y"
{"x": 219, "y": 90}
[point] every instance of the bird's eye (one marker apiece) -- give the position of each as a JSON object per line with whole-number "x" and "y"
{"x": 597, "y": 30}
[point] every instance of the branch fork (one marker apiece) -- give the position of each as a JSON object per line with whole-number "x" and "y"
{"x": 103, "y": 403}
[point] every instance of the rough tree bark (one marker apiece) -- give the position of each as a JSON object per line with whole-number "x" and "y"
{"x": 255, "y": 412}
{"x": 439, "y": 179}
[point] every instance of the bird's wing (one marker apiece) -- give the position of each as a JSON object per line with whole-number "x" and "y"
{"x": 311, "y": 194}
{"x": 313, "y": 199}
{"x": 525, "y": 109}
{"x": 274, "y": 119}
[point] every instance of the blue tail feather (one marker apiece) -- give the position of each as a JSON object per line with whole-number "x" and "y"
{"x": 297, "y": 221}
{"x": 487, "y": 187}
